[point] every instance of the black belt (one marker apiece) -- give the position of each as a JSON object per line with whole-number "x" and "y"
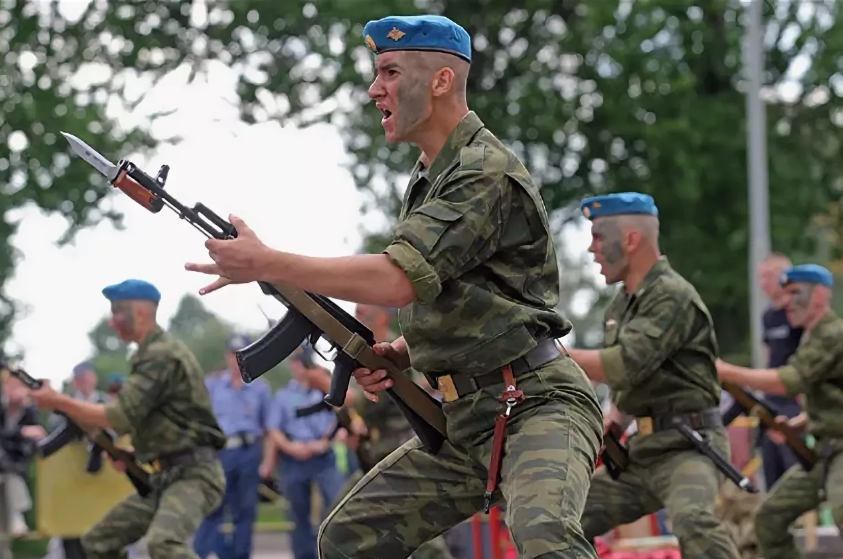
{"x": 706, "y": 419}
{"x": 185, "y": 458}
{"x": 458, "y": 385}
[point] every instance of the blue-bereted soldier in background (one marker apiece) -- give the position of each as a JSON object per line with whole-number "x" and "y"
{"x": 242, "y": 411}
{"x": 305, "y": 451}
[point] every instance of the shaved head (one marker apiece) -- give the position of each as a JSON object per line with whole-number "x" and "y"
{"x": 429, "y": 63}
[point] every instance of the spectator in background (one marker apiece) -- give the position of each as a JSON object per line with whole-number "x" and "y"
{"x": 241, "y": 410}
{"x": 305, "y": 451}
{"x": 20, "y": 428}
{"x": 780, "y": 342}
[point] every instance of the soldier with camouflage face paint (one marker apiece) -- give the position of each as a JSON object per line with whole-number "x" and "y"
{"x": 473, "y": 268}
{"x": 659, "y": 361}
{"x": 165, "y": 408}
{"x": 816, "y": 372}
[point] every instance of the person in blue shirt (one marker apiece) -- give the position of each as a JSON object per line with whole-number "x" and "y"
{"x": 780, "y": 341}
{"x": 242, "y": 412}
{"x": 305, "y": 452}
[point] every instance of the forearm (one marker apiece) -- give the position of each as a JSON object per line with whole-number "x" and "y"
{"x": 269, "y": 454}
{"x": 83, "y": 412}
{"x": 282, "y": 443}
{"x": 590, "y": 362}
{"x": 364, "y": 278}
{"x": 765, "y": 380}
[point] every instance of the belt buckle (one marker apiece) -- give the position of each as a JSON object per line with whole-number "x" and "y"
{"x": 645, "y": 425}
{"x": 447, "y": 388}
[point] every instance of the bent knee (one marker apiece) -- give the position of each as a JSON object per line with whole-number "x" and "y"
{"x": 162, "y": 545}
{"x": 694, "y": 523}
{"x": 325, "y": 541}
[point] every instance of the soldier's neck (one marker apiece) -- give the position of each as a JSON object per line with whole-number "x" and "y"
{"x": 142, "y": 332}
{"x": 812, "y": 322}
{"x": 639, "y": 267}
{"x": 437, "y": 130}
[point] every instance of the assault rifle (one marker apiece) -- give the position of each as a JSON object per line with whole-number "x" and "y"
{"x": 767, "y": 412}
{"x": 308, "y": 317}
{"x": 101, "y": 437}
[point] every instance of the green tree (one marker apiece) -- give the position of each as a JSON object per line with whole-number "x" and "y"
{"x": 202, "y": 331}
{"x": 595, "y": 97}
{"x": 62, "y": 64}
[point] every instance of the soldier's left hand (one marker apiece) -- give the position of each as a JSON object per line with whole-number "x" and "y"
{"x": 236, "y": 261}
{"x": 44, "y": 397}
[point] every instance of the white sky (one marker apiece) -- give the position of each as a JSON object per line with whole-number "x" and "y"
{"x": 287, "y": 184}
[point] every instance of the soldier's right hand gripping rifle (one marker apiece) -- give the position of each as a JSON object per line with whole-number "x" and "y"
{"x": 308, "y": 317}
{"x": 749, "y": 404}
{"x": 101, "y": 437}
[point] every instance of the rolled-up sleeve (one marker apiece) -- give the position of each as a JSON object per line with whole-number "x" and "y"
{"x": 811, "y": 363}
{"x": 140, "y": 395}
{"x": 659, "y": 328}
{"x": 451, "y": 233}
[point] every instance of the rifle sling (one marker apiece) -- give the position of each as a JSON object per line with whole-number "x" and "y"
{"x": 355, "y": 346}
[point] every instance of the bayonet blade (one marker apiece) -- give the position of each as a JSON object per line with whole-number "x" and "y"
{"x": 92, "y": 156}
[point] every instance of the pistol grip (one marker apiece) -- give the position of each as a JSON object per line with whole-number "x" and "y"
{"x": 339, "y": 381}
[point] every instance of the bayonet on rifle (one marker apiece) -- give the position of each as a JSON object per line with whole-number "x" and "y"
{"x": 308, "y": 317}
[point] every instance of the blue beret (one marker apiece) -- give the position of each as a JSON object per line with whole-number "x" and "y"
{"x": 623, "y": 203}
{"x": 115, "y": 378}
{"x": 237, "y": 341}
{"x": 132, "y": 290}
{"x": 434, "y": 33}
{"x": 807, "y": 273}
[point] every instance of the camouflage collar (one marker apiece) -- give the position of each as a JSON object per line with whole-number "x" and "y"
{"x": 153, "y": 336}
{"x": 459, "y": 138}
{"x": 661, "y": 267}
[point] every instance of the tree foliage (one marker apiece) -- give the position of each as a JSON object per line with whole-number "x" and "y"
{"x": 595, "y": 97}
{"x": 642, "y": 95}
{"x": 72, "y": 67}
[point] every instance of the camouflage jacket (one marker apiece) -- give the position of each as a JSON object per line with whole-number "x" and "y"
{"x": 660, "y": 347}
{"x": 816, "y": 372}
{"x": 473, "y": 238}
{"x": 164, "y": 405}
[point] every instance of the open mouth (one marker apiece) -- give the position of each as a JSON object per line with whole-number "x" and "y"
{"x": 387, "y": 114}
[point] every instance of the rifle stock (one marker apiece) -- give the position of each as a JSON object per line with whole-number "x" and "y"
{"x": 324, "y": 318}
{"x": 766, "y": 413}
{"x": 134, "y": 470}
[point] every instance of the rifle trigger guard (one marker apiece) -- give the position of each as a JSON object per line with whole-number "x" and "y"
{"x": 355, "y": 345}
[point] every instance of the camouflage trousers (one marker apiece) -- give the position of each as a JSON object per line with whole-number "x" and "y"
{"x": 682, "y": 481}
{"x": 168, "y": 516}
{"x": 794, "y": 494}
{"x": 411, "y": 496}
{"x": 434, "y": 549}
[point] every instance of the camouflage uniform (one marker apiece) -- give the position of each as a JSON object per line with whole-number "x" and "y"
{"x": 165, "y": 408}
{"x": 474, "y": 240}
{"x": 659, "y": 361}
{"x": 816, "y": 372}
{"x": 389, "y": 429}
